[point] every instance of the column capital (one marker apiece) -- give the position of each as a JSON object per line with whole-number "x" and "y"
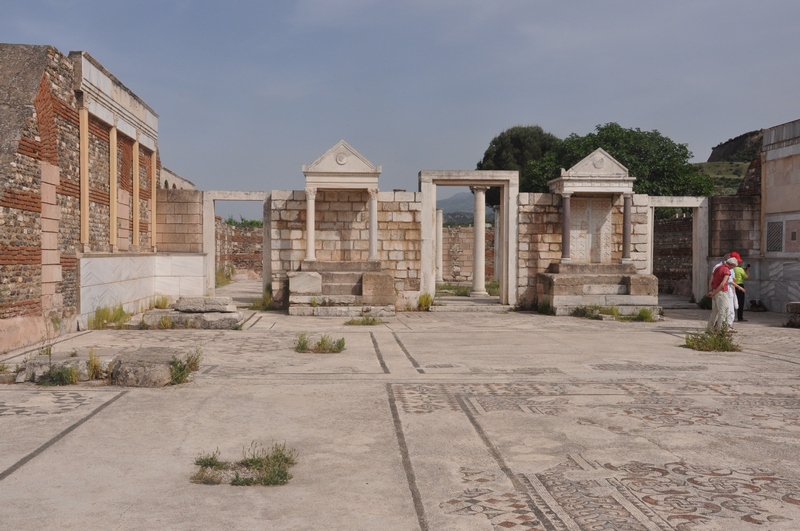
{"x": 566, "y": 194}
{"x": 476, "y": 189}
{"x": 373, "y": 193}
{"x": 311, "y": 193}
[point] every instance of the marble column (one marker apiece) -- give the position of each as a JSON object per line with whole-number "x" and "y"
{"x": 373, "y": 225}
{"x": 565, "y": 221}
{"x": 311, "y": 194}
{"x": 498, "y": 242}
{"x": 439, "y": 240}
{"x": 626, "y": 229}
{"x": 479, "y": 246}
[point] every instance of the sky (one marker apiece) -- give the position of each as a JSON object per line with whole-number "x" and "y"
{"x": 249, "y": 91}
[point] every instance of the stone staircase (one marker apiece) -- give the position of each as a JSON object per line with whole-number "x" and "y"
{"x": 570, "y": 285}
{"x": 341, "y": 289}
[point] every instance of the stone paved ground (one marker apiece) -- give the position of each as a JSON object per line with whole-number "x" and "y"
{"x": 430, "y": 421}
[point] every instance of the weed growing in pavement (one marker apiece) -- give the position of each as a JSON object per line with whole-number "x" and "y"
{"x": 263, "y": 304}
{"x": 162, "y": 302}
{"x": 545, "y": 308}
{"x": 365, "y": 320}
{"x": 712, "y": 339}
{"x": 301, "y": 344}
{"x": 93, "y": 366}
{"x": 4, "y": 368}
{"x": 425, "y": 302}
{"x": 325, "y": 344}
{"x": 258, "y": 466}
{"x": 180, "y": 370}
{"x": 453, "y": 289}
{"x": 105, "y": 317}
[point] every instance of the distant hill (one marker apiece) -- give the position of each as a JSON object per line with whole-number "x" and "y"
{"x": 727, "y": 176}
{"x": 743, "y": 148}
{"x": 459, "y": 209}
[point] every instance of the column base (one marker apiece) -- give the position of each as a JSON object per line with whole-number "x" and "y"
{"x": 565, "y": 260}
{"x": 627, "y": 261}
{"x": 479, "y": 294}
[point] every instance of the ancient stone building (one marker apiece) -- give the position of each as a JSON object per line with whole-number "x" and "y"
{"x": 78, "y": 159}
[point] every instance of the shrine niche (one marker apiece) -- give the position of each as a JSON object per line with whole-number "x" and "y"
{"x": 595, "y": 267}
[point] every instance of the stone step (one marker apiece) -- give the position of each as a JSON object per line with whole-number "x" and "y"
{"x": 323, "y": 300}
{"x": 343, "y": 311}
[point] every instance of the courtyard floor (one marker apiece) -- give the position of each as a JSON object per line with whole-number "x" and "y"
{"x": 430, "y": 421}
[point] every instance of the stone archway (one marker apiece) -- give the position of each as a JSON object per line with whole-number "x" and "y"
{"x": 508, "y": 182}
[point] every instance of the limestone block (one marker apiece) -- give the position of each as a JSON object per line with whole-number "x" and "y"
{"x": 793, "y": 307}
{"x": 642, "y": 285}
{"x": 204, "y": 304}
{"x": 305, "y": 282}
{"x": 641, "y": 200}
{"x": 144, "y": 368}
{"x": 219, "y": 321}
{"x": 377, "y": 288}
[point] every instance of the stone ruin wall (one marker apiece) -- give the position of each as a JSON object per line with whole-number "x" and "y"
{"x": 342, "y": 233}
{"x": 539, "y": 225}
{"x": 457, "y": 254}
{"x": 239, "y": 250}
{"x": 40, "y": 193}
{"x": 672, "y": 255}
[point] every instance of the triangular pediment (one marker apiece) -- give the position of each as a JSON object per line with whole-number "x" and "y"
{"x": 341, "y": 159}
{"x": 597, "y": 164}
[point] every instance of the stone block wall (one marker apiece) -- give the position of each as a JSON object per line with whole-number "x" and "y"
{"x": 457, "y": 254}
{"x": 734, "y": 225}
{"x": 539, "y": 225}
{"x": 342, "y": 234}
{"x": 179, "y": 221}
{"x": 672, "y": 255}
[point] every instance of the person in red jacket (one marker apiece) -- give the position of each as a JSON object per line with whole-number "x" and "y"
{"x": 719, "y": 294}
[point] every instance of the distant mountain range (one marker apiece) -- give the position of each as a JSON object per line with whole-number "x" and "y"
{"x": 459, "y": 208}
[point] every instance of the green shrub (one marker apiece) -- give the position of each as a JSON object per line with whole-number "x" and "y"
{"x": 644, "y": 315}
{"x": 425, "y": 302}
{"x": 263, "y": 304}
{"x": 327, "y": 345}
{"x": 4, "y": 368}
{"x": 705, "y": 303}
{"x": 712, "y": 339}
{"x": 60, "y": 375}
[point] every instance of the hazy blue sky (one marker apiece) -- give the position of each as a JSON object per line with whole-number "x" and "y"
{"x": 248, "y": 91}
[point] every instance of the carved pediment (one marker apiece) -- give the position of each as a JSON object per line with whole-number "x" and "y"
{"x": 597, "y": 164}
{"x": 341, "y": 159}
{"x": 599, "y": 172}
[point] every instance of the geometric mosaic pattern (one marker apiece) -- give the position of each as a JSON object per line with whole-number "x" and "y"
{"x": 42, "y": 403}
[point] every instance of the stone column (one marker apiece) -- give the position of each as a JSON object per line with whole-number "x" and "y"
{"x": 439, "y": 240}
{"x": 479, "y": 246}
{"x": 112, "y": 188}
{"x": 626, "y": 229}
{"x": 311, "y": 194}
{"x": 373, "y": 225}
{"x": 83, "y": 126}
{"x": 135, "y": 181}
{"x": 498, "y": 242}
{"x": 565, "y": 220}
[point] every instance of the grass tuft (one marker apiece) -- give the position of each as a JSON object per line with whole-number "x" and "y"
{"x": 258, "y": 466}
{"x": 165, "y": 323}
{"x": 366, "y": 320}
{"x": 180, "y": 370}
{"x": 60, "y": 375}
{"x": 105, "y": 317}
{"x": 162, "y": 302}
{"x": 545, "y": 308}
{"x": 211, "y": 461}
{"x": 263, "y": 304}
{"x": 93, "y": 366}
{"x": 425, "y": 302}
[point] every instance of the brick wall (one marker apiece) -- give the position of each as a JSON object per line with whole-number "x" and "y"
{"x": 672, "y": 255}
{"x": 342, "y": 233}
{"x": 179, "y": 221}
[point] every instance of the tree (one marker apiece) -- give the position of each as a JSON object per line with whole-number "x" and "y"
{"x": 661, "y": 166}
{"x": 513, "y": 149}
